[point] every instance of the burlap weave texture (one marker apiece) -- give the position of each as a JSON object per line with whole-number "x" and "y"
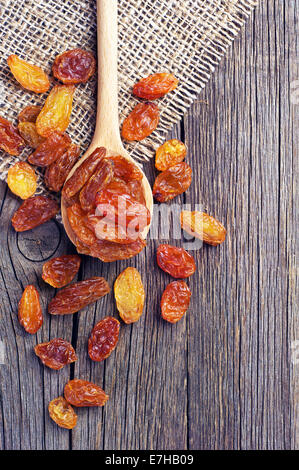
{"x": 186, "y": 37}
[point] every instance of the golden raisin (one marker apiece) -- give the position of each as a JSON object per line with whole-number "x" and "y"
{"x": 62, "y": 413}
{"x": 30, "y": 76}
{"x": 22, "y": 180}
{"x": 169, "y": 154}
{"x": 30, "y": 312}
{"x": 203, "y": 226}
{"x": 55, "y": 114}
{"x": 129, "y": 295}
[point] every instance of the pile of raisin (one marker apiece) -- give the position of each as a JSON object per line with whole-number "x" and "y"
{"x": 106, "y": 207}
{"x": 106, "y": 210}
{"x": 44, "y": 130}
{"x": 57, "y": 353}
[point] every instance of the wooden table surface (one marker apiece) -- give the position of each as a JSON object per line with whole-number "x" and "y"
{"x": 226, "y": 376}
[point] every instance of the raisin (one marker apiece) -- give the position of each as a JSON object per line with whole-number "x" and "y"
{"x": 101, "y": 177}
{"x": 56, "y": 354}
{"x": 30, "y": 312}
{"x": 22, "y": 180}
{"x": 129, "y": 295}
{"x": 29, "y": 133}
{"x": 55, "y": 114}
{"x": 169, "y": 154}
{"x": 77, "y": 296}
{"x": 107, "y": 230}
{"x": 175, "y": 261}
{"x": 50, "y": 150}
{"x": 155, "y": 86}
{"x": 175, "y": 301}
{"x": 30, "y": 76}
{"x": 76, "y": 218}
{"x": 103, "y": 339}
{"x": 108, "y": 251}
{"x": 82, "y": 174}
{"x": 122, "y": 210}
{"x": 74, "y": 66}
{"x": 72, "y": 200}
{"x": 57, "y": 172}
{"x": 10, "y": 139}
{"x": 132, "y": 188}
{"x": 141, "y": 122}
{"x": 82, "y": 248}
{"x": 29, "y": 114}
{"x": 62, "y": 413}
{"x": 118, "y": 186}
{"x": 83, "y": 393}
{"x": 136, "y": 191}
{"x": 172, "y": 182}
{"x": 60, "y": 271}
{"x": 203, "y": 226}
{"x": 125, "y": 170}
{"x": 33, "y": 212}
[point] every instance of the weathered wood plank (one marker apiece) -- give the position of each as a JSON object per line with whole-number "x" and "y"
{"x": 289, "y": 213}
{"x": 245, "y": 148}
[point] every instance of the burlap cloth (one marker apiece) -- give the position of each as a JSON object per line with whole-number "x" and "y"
{"x": 186, "y": 37}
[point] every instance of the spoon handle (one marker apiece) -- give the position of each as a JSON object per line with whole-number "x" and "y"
{"x": 107, "y": 123}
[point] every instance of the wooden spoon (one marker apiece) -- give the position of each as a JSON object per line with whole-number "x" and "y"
{"x": 107, "y": 124}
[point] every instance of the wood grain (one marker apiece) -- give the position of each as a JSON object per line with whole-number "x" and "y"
{"x": 226, "y": 376}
